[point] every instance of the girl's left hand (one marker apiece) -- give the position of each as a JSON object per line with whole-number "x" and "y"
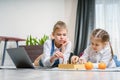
{"x": 63, "y": 45}
{"x": 65, "y": 42}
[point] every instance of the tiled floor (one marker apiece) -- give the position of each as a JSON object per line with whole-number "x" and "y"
{"x": 43, "y": 74}
{"x": 39, "y": 74}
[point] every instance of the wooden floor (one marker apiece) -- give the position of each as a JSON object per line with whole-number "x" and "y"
{"x": 47, "y": 74}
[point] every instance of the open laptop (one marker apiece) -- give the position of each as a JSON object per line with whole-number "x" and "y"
{"x": 20, "y": 57}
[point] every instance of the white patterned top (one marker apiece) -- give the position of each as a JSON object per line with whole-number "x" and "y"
{"x": 47, "y": 51}
{"x": 102, "y": 56}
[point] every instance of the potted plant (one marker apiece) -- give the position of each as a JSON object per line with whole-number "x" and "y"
{"x": 34, "y": 46}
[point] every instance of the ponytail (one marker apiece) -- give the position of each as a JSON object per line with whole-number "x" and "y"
{"x": 111, "y": 49}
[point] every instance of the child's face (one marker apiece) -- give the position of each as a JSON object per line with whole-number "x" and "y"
{"x": 60, "y": 36}
{"x": 97, "y": 44}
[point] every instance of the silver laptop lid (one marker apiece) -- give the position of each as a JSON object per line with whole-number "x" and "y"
{"x": 20, "y": 57}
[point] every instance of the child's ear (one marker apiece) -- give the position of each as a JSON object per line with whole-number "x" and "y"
{"x": 105, "y": 43}
{"x": 52, "y": 35}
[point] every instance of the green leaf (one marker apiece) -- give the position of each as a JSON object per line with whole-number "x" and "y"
{"x": 35, "y": 41}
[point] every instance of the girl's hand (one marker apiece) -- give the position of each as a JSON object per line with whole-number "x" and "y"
{"x": 57, "y": 55}
{"x": 82, "y": 61}
{"x": 63, "y": 45}
{"x": 74, "y": 59}
{"x": 65, "y": 42}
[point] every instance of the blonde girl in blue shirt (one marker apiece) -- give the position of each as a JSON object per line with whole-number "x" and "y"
{"x": 100, "y": 50}
{"x": 56, "y": 50}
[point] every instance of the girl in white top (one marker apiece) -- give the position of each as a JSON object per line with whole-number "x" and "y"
{"x": 100, "y": 50}
{"x": 58, "y": 48}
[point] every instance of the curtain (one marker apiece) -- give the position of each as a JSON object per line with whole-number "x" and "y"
{"x": 84, "y": 24}
{"x": 108, "y": 18}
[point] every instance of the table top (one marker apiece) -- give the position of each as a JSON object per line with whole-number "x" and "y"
{"x": 7, "y": 38}
{"x": 51, "y": 74}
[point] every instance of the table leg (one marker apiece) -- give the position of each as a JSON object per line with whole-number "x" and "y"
{"x": 17, "y": 44}
{"x": 3, "y": 57}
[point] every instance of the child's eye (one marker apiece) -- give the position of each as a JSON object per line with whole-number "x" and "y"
{"x": 92, "y": 43}
{"x": 64, "y": 34}
{"x": 58, "y": 34}
{"x": 97, "y": 44}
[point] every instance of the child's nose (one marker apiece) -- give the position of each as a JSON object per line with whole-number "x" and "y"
{"x": 93, "y": 46}
{"x": 61, "y": 36}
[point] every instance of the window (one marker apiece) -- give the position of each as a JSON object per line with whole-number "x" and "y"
{"x": 108, "y": 18}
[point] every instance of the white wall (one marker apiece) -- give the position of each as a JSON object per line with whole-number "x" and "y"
{"x": 20, "y": 18}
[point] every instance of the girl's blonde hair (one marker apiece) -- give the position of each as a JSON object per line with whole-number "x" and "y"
{"x": 103, "y": 35}
{"x": 59, "y": 25}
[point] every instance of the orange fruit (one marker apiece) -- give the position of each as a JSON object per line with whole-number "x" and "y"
{"x": 101, "y": 65}
{"x": 88, "y": 65}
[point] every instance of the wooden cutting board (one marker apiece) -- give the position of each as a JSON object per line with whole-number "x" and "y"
{"x": 71, "y": 66}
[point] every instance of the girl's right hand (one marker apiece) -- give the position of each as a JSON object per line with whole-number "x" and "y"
{"x": 74, "y": 59}
{"x": 57, "y": 55}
